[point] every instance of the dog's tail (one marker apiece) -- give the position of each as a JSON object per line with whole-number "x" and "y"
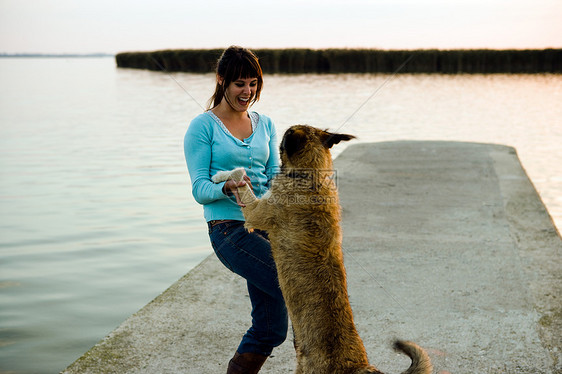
{"x": 420, "y": 360}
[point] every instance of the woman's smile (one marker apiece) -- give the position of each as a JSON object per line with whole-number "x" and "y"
{"x": 243, "y": 101}
{"x": 242, "y": 91}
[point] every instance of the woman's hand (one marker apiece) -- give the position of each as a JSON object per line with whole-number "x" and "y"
{"x": 231, "y": 187}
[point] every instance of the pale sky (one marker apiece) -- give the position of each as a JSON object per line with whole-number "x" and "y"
{"x": 110, "y": 26}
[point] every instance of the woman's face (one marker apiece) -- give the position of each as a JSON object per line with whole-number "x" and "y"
{"x": 239, "y": 93}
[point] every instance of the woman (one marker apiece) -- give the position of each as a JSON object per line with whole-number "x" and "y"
{"x": 225, "y": 137}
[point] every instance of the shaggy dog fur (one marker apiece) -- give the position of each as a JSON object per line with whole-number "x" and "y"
{"x": 301, "y": 214}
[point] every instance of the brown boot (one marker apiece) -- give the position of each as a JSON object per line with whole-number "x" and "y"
{"x": 245, "y": 363}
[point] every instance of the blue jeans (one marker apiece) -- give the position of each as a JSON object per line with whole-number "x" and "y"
{"x": 249, "y": 255}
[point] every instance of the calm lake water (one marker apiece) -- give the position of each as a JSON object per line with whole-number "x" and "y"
{"x": 97, "y": 216}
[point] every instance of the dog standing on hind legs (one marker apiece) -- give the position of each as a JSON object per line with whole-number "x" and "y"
{"x": 301, "y": 214}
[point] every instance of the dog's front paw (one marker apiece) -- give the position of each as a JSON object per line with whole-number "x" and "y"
{"x": 224, "y": 175}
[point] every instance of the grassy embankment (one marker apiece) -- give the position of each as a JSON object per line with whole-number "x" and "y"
{"x": 299, "y": 61}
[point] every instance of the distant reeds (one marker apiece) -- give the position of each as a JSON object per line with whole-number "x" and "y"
{"x": 302, "y": 61}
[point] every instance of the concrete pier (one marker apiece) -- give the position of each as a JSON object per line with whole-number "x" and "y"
{"x": 446, "y": 244}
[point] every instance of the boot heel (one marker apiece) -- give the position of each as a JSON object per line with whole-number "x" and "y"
{"x": 246, "y": 363}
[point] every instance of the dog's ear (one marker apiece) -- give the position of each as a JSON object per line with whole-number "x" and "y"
{"x": 293, "y": 141}
{"x": 329, "y": 139}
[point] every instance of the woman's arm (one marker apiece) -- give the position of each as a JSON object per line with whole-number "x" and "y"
{"x": 197, "y": 149}
{"x": 272, "y": 165}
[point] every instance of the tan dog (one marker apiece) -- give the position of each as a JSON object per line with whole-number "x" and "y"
{"x": 301, "y": 214}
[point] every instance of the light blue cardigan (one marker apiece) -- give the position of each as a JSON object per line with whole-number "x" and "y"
{"x": 209, "y": 147}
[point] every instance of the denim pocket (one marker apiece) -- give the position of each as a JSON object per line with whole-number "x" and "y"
{"x": 219, "y": 235}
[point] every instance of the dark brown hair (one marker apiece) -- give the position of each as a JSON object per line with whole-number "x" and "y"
{"x": 234, "y": 63}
